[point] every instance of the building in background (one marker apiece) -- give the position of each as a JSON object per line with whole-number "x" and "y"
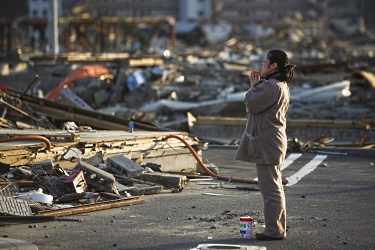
{"x": 40, "y": 33}
{"x": 129, "y": 8}
{"x": 219, "y": 19}
{"x": 254, "y": 16}
{"x": 38, "y": 8}
{"x": 194, "y": 10}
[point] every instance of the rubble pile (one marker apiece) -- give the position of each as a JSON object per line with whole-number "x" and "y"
{"x": 58, "y": 169}
{"x": 163, "y": 94}
{"x": 172, "y": 90}
{"x": 333, "y": 78}
{"x": 140, "y": 98}
{"x": 76, "y": 183}
{"x": 20, "y": 115}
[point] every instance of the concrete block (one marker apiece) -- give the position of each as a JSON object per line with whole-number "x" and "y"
{"x": 95, "y": 160}
{"x": 171, "y": 161}
{"x": 166, "y": 180}
{"x": 121, "y": 165}
{"x": 99, "y": 179}
{"x": 42, "y": 167}
{"x": 145, "y": 190}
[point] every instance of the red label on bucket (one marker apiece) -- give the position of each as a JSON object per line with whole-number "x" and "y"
{"x": 246, "y": 219}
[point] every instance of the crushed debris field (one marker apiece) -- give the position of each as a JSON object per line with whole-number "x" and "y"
{"x": 85, "y": 132}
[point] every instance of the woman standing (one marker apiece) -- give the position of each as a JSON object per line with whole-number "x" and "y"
{"x": 264, "y": 141}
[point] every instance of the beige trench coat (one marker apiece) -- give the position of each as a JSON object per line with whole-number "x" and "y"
{"x": 264, "y": 140}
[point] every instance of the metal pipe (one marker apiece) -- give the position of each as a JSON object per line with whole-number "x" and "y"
{"x": 28, "y": 137}
{"x": 203, "y": 166}
{"x": 29, "y": 86}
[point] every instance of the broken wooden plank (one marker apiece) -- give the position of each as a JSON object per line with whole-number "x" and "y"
{"x": 128, "y": 201}
{"x": 18, "y": 110}
{"x": 146, "y": 62}
{"x": 66, "y": 112}
{"x": 13, "y": 219}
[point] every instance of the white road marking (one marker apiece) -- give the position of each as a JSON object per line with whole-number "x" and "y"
{"x": 289, "y": 160}
{"x": 305, "y": 170}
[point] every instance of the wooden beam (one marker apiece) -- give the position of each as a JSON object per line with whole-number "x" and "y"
{"x": 128, "y": 201}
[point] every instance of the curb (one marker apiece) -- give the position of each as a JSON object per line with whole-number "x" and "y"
{"x": 362, "y": 152}
{"x": 9, "y": 244}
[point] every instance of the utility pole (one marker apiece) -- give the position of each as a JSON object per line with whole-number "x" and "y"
{"x": 53, "y": 38}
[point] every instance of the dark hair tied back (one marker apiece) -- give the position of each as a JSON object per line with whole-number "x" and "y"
{"x": 285, "y": 69}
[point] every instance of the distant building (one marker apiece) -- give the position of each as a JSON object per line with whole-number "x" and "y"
{"x": 236, "y": 11}
{"x": 259, "y": 17}
{"x": 195, "y": 10}
{"x": 38, "y": 8}
{"x": 239, "y": 12}
{"x": 133, "y": 8}
{"x": 42, "y": 9}
{"x": 41, "y": 36}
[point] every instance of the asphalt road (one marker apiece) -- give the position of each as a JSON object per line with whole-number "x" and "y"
{"x": 332, "y": 207}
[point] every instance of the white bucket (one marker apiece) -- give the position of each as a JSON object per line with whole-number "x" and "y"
{"x": 246, "y": 227}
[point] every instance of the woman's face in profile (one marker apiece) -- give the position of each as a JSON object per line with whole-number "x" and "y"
{"x": 265, "y": 67}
